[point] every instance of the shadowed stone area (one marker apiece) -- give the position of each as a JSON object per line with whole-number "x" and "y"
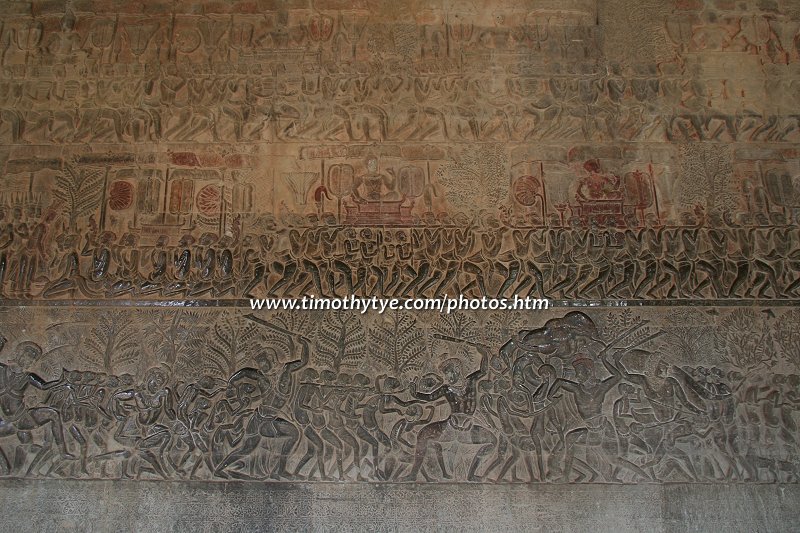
{"x": 636, "y": 163}
{"x": 167, "y": 506}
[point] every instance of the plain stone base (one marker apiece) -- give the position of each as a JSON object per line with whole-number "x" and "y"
{"x": 167, "y": 506}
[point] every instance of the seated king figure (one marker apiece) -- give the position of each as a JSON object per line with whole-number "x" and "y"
{"x": 375, "y": 186}
{"x": 375, "y": 199}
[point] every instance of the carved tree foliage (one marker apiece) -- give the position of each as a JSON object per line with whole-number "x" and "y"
{"x": 341, "y": 341}
{"x": 230, "y": 342}
{"x": 706, "y": 178}
{"x": 304, "y": 323}
{"x": 688, "y": 338}
{"x": 746, "y": 341}
{"x": 456, "y": 326}
{"x": 397, "y": 344}
{"x": 787, "y": 335}
{"x": 294, "y": 323}
{"x": 175, "y": 338}
{"x": 501, "y": 326}
{"x": 619, "y": 320}
{"x": 478, "y": 177}
{"x": 112, "y": 343}
{"x": 79, "y": 191}
{"x": 15, "y": 322}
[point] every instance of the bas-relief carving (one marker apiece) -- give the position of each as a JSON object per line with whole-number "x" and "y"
{"x": 691, "y": 394}
{"x": 702, "y": 221}
{"x": 569, "y": 150}
{"x": 453, "y": 77}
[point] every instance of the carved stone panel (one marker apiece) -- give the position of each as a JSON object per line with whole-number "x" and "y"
{"x": 163, "y": 165}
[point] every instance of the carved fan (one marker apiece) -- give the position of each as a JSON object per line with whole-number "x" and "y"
{"x": 300, "y": 183}
{"x": 139, "y": 36}
{"x": 637, "y": 190}
{"x": 208, "y": 200}
{"x": 120, "y": 195}
{"x": 526, "y": 190}
{"x": 149, "y": 195}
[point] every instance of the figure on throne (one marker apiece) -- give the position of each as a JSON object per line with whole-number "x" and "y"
{"x": 600, "y": 196}
{"x": 375, "y": 186}
{"x": 376, "y": 198}
{"x": 598, "y": 186}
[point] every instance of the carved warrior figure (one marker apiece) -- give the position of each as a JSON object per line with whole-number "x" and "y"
{"x": 266, "y": 421}
{"x": 564, "y": 401}
{"x": 460, "y": 425}
{"x": 17, "y": 418}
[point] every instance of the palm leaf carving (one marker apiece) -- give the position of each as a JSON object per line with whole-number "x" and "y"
{"x": 80, "y": 191}
{"x": 176, "y": 338}
{"x": 458, "y": 326}
{"x": 230, "y": 342}
{"x": 112, "y": 343}
{"x": 398, "y": 344}
{"x": 341, "y": 341}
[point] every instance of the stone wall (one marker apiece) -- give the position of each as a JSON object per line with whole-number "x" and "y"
{"x": 241, "y": 506}
{"x": 633, "y": 162}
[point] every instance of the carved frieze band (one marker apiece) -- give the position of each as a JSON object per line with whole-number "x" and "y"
{"x": 691, "y": 394}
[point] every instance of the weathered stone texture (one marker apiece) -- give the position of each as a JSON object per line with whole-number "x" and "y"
{"x": 168, "y": 506}
{"x": 636, "y": 162}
